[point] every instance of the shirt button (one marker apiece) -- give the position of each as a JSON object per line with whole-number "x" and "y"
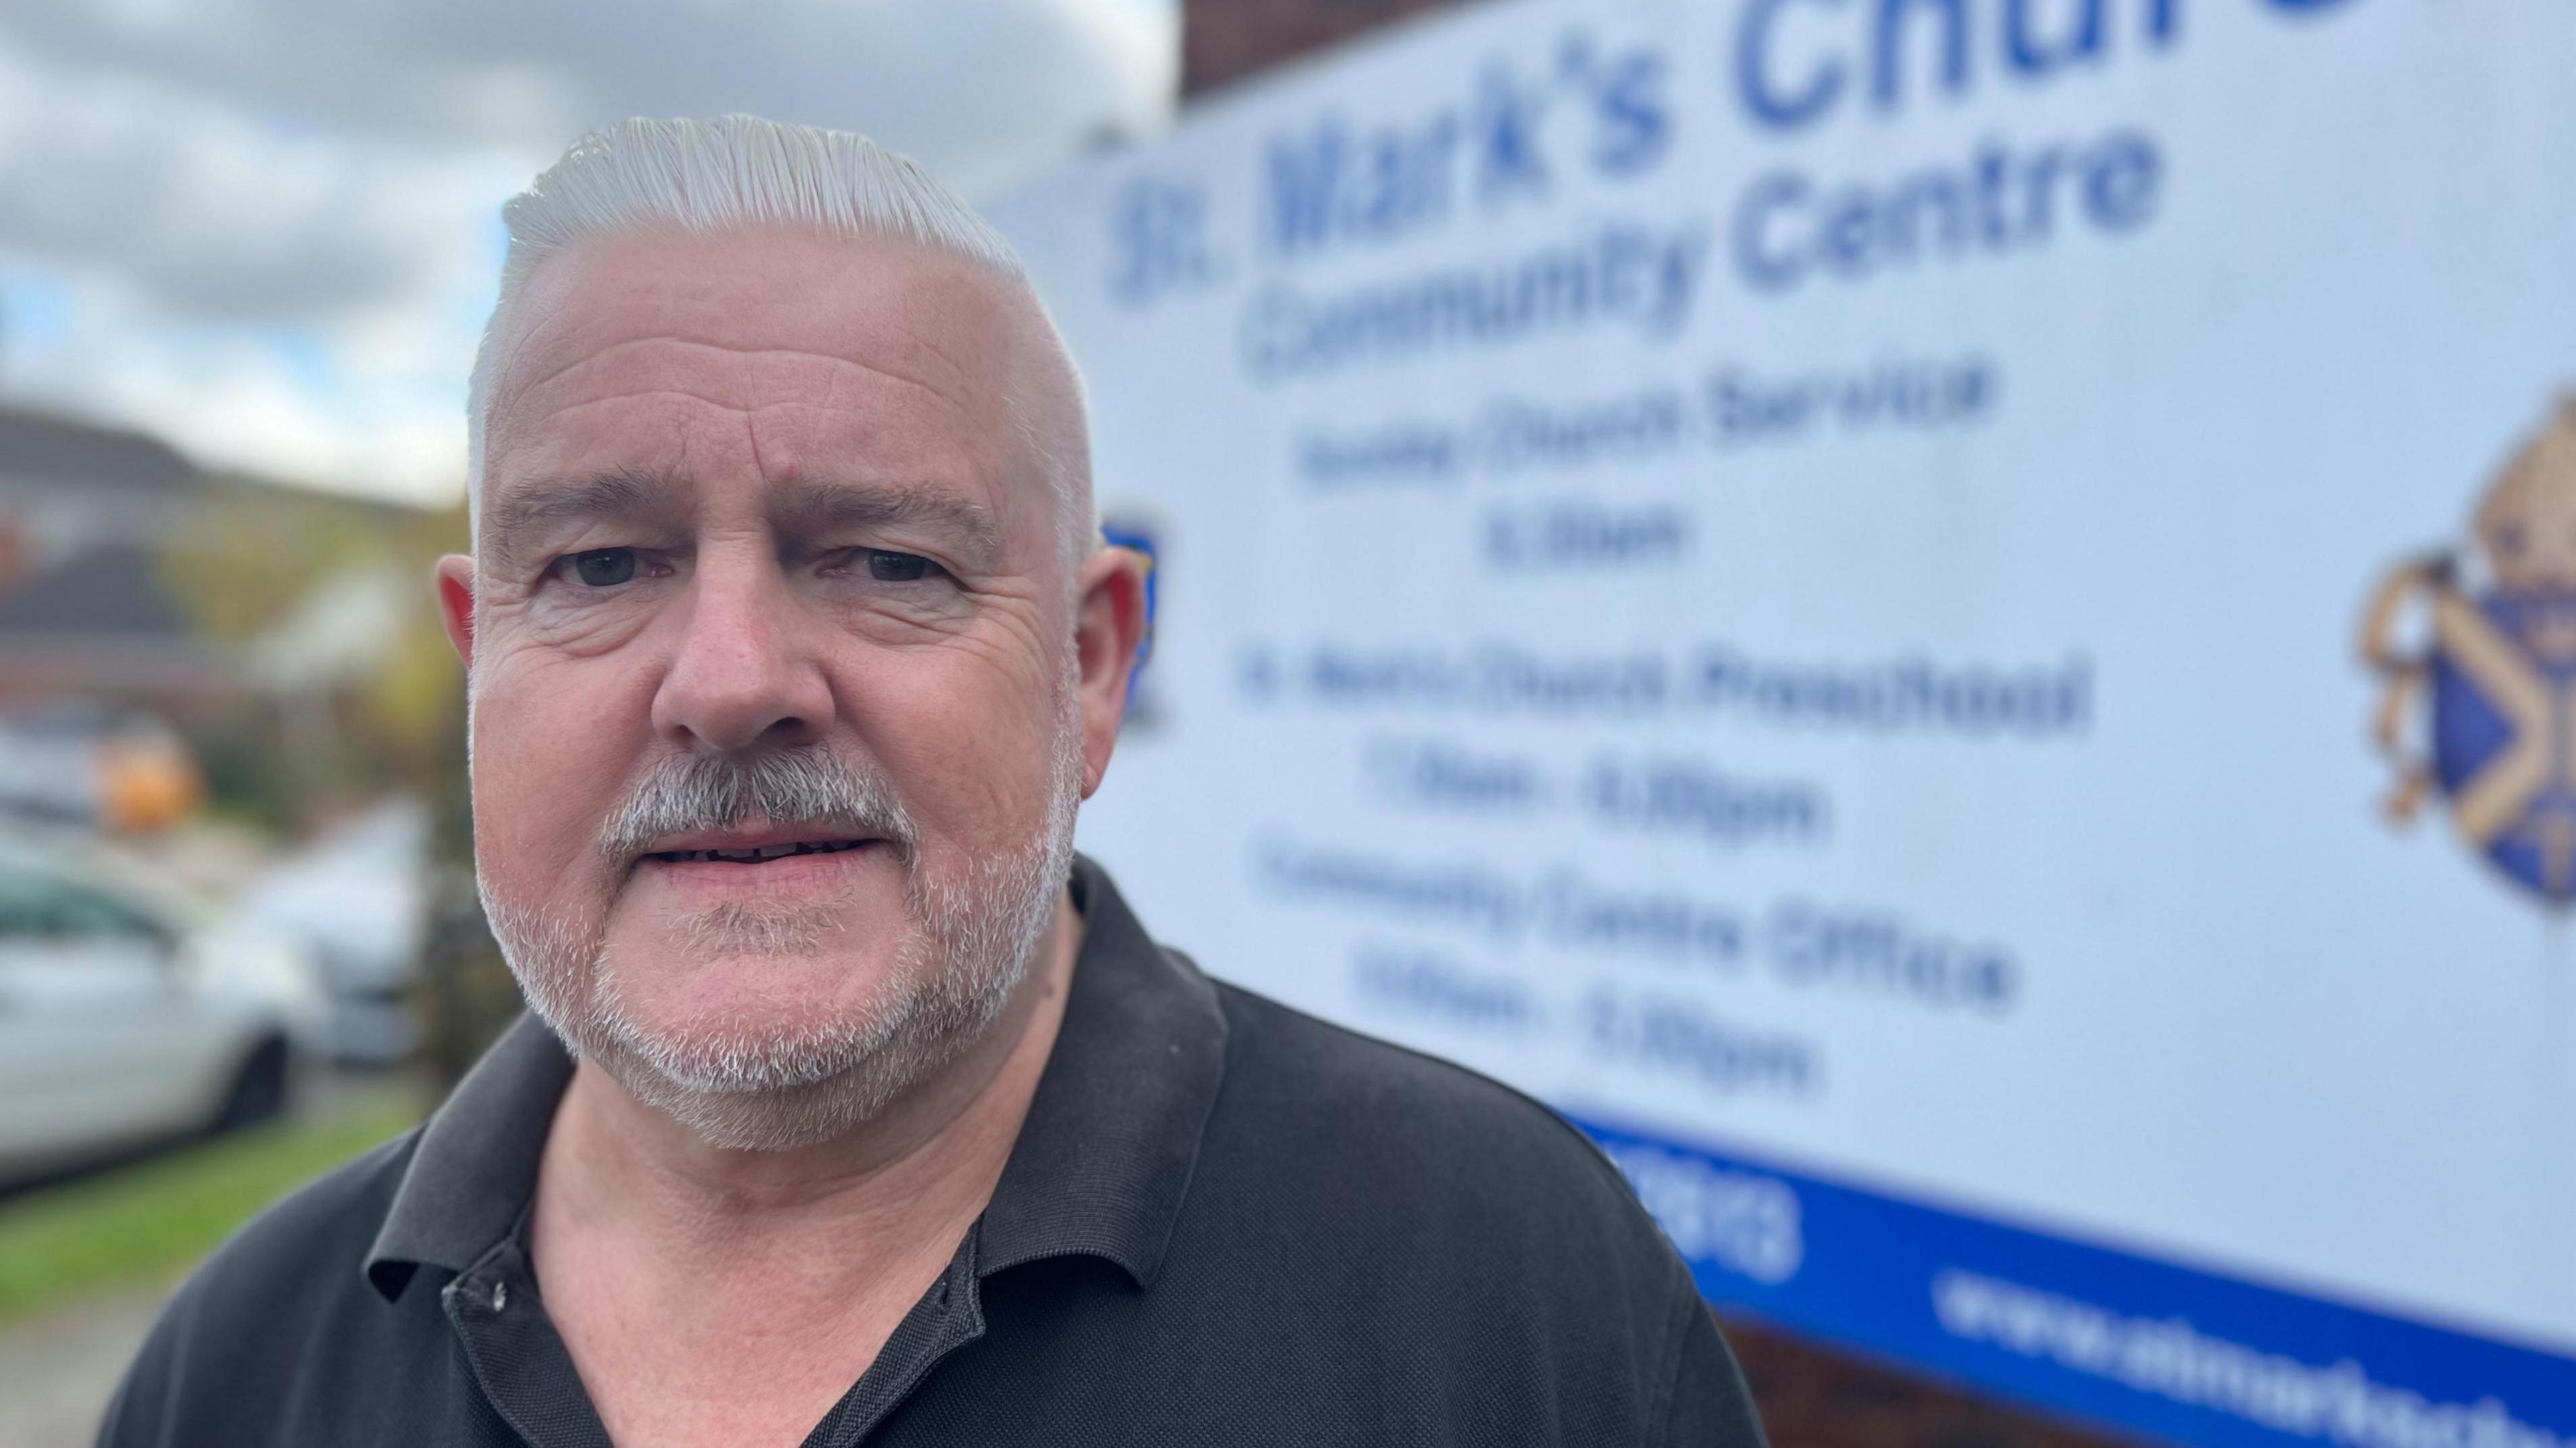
{"x": 500, "y": 1295}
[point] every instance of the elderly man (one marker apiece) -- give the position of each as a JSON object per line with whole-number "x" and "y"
{"x": 855, "y": 1107}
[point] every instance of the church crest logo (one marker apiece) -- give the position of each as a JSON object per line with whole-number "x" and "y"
{"x": 2476, "y": 650}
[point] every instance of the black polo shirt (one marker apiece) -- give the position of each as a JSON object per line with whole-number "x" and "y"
{"x": 1224, "y": 1222}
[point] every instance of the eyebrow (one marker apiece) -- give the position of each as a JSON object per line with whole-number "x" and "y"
{"x": 802, "y": 508}
{"x": 619, "y": 493}
{"x": 807, "y": 508}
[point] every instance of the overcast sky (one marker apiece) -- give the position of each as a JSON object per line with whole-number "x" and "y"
{"x": 268, "y": 229}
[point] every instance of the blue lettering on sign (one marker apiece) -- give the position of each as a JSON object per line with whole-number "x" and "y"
{"x": 1329, "y": 182}
{"x": 1578, "y": 914}
{"x": 1743, "y": 408}
{"x": 1875, "y": 950}
{"x": 1673, "y": 1035}
{"x": 2030, "y": 54}
{"x": 1439, "y": 774}
{"x": 1581, "y": 533}
{"x": 1907, "y": 694}
{"x": 1998, "y": 201}
{"x": 1794, "y": 59}
{"x": 1627, "y": 91}
{"x": 1676, "y": 795}
{"x": 1157, "y": 241}
{"x": 1617, "y": 275}
{"x": 1739, "y": 1222}
{"x": 1334, "y": 181}
{"x": 1428, "y": 983}
{"x": 1888, "y": 37}
{"x": 1404, "y": 453}
{"x": 1507, "y": 149}
{"x": 1774, "y": 105}
{"x": 1519, "y": 433}
{"x": 1764, "y": 256}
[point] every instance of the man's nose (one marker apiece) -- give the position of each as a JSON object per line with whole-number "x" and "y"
{"x": 745, "y": 674}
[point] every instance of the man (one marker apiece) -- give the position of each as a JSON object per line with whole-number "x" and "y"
{"x": 861, "y": 1110}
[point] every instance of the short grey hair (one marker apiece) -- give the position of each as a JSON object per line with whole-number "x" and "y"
{"x": 742, "y": 173}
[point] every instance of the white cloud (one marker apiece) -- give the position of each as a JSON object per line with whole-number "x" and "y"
{"x": 215, "y": 215}
{"x": 267, "y": 228}
{"x": 966, "y": 87}
{"x": 374, "y": 405}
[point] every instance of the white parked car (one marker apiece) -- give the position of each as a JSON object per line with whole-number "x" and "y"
{"x": 357, "y": 900}
{"x": 130, "y": 1014}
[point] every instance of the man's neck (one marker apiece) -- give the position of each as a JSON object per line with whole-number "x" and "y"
{"x": 788, "y": 1238}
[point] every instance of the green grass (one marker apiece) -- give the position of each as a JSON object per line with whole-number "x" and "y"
{"x": 150, "y": 1222}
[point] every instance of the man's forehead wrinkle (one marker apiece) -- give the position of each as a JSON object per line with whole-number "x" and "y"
{"x": 928, "y": 340}
{"x": 964, "y": 448}
{"x": 779, "y": 441}
{"x": 537, "y": 308}
{"x": 751, "y": 440}
{"x": 668, "y": 339}
{"x": 836, "y": 387}
{"x": 1006, "y": 336}
{"x": 722, "y": 279}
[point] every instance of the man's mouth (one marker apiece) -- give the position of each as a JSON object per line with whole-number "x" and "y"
{"x": 756, "y": 854}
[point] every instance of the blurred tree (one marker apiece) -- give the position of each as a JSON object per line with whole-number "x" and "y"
{"x": 351, "y": 692}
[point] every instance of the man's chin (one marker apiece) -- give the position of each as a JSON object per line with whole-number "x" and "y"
{"x": 750, "y": 1090}
{"x": 747, "y": 932}
{"x": 757, "y": 1005}
{"x": 744, "y": 1049}
{"x": 772, "y": 1118}
{"x": 763, "y": 986}
{"x": 765, "y": 1029}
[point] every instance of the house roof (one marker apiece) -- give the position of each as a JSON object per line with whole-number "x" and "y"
{"x": 51, "y": 451}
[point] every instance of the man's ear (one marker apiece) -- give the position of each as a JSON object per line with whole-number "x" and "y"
{"x": 1108, "y": 626}
{"x": 456, "y": 603}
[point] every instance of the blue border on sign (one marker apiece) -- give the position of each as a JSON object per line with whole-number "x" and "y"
{"x": 2152, "y": 1346}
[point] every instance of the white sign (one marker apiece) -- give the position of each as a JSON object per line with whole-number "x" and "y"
{"x": 1851, "y": 592}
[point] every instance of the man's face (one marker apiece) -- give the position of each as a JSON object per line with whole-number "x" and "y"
{"x": 760, "y": 537}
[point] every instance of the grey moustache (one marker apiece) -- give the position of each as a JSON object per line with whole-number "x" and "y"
{"x": 827, "y": 799}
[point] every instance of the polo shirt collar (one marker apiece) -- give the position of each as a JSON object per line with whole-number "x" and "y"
{"x": 1101, "y": 1167}
{"x": 475, "y": 1165}
{"x": 1104, "y": 1158}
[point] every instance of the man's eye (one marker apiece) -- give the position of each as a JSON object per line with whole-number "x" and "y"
{"x": 604, "y": 567}
{"x": 887, "y": 567}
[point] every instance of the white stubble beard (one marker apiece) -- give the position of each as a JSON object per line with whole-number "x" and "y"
{"x": 746, "y": 1087}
